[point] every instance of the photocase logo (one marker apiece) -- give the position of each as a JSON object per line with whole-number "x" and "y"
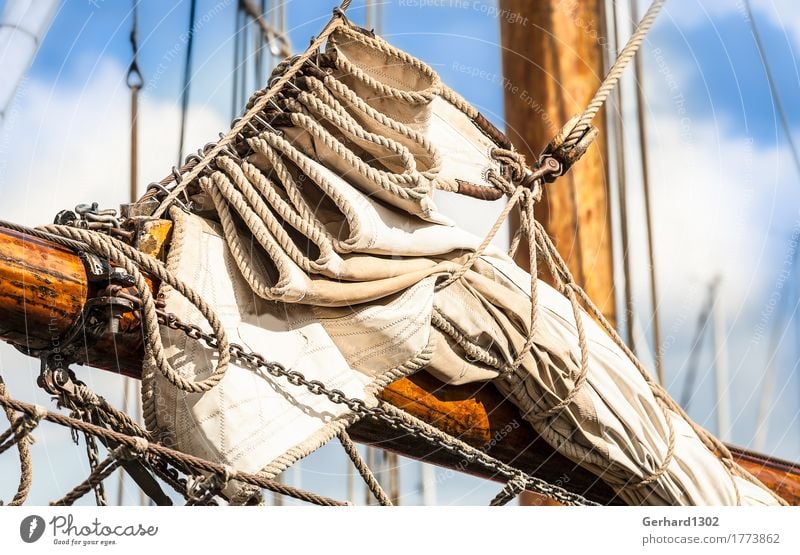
{"x": 31, "y": 528}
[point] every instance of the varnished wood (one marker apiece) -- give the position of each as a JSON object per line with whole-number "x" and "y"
{"x": 780, "y": 476}
{"x": 42, "y": 288}
{"x": 552, "y": 65}
{"x": 477, "y": 414}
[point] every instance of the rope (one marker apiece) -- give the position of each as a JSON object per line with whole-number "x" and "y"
{"x": 472, "y": 455}
{"x": 513, "y": 488}
{"x": 257, "y": 108}
{"x": 76, "y": 246}
{"x": 100, "y": 472}
{"x": 622, "y": 197}
{"x": 23, "y": 449}
{"x": 187, "y": 68}
{"x": 134, "y": 263}
{"x": 182, "y": 459}
{"x": 578, "y": 132}
{"x": 648, "y": 204}
{"x": 363, "y": 469}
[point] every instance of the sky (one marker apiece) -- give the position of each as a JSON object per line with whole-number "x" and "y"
{"x": 726, "y": 195}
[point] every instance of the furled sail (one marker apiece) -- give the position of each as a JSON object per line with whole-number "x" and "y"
{"x": 318, "y": 244}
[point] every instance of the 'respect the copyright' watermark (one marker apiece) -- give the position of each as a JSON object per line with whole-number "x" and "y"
{"x": 473, "y": 5}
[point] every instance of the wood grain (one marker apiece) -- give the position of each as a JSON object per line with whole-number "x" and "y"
{"x": 552, "y": 64}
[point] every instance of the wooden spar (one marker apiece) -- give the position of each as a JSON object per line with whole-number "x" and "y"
{"x": 43, "y": 288}
{"x": 552, "y": 65}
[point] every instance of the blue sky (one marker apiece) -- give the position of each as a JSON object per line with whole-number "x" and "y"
{"x": 725, "y": 190}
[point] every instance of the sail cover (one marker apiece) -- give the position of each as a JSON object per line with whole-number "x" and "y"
{"x": 321, "y": 247}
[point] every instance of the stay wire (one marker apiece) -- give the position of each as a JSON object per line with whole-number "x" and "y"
{"x": 648, "y": 204}
{"x": 622, "y": 194}
{"x": 187, "y": 79}
{"x": 782, "y": 114}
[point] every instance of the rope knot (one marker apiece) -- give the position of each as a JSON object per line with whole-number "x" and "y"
{"x": 39, "y": 413}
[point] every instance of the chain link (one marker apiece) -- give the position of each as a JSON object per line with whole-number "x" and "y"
{"x": 360, "y": 408}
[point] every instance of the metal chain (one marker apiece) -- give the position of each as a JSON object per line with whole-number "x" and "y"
{"x": 360, "y": 408}
{"x": 93, "y": 454}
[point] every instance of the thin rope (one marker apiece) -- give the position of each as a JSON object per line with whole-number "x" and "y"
{"x": 364, "y": 470}
{"x": 773, "y": 87}
{"x": 622, "y": 194}
{"x": 187, "y": 79}
{"x": 644, "y": 156}
{"x": 583, "y": 125}
{"x": 185, "y": 460}
{"x": 135, "y": 82}
{"x": 22, "y": 439}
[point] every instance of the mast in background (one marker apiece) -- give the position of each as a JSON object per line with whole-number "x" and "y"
{"x": 22, "y": 29}
{"x": 552, "y": 66}
{"x": 721, "y": 374}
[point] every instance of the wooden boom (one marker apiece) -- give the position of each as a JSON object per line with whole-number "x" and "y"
{"x": 44, "y": 287}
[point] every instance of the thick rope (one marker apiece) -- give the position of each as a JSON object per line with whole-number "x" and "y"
{"x": 20, "y": 428}
{"x": 513, "y": 488}
{"x": 134, "y": 263}
{"x": 100, "y": 472}
{"x": 138, "y": 444}
{"x": 363, "y": 469}
{"x": 258, "y": 107}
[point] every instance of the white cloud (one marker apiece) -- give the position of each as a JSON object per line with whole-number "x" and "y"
{"x": 62, "y": 145}
{"x": 69, "y": 144}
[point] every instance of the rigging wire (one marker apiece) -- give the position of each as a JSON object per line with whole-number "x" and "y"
{"x": 763, "y": 418}
{"x": 235, "y": 73}
{"x": 135, "y": 82}
{"x": 187, "y": 78}
{"x": 260, "y": 42}
{"x": 622, "y": 187}
{"x": 648, "y": 205}
{"x": 244, "y": 33}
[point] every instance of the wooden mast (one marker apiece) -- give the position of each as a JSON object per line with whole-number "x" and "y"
{"x": 553, "y": 64}
{"x": 44, "y": 288}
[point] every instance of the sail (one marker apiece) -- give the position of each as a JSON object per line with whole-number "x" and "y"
{"x": 318, "y": 243}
